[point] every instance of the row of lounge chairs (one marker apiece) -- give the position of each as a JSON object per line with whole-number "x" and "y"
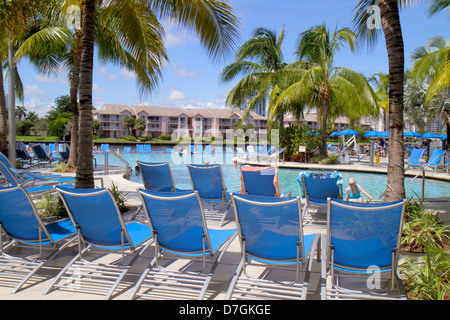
{"x": 37, "y": 153}
{"x": 270, "y": 229}
{"x": 437, "y": 160}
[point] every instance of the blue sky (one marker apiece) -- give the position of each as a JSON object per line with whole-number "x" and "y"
{"x": 191, "y": 79}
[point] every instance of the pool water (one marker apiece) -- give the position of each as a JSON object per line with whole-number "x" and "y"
{"x": 373, "y": 183}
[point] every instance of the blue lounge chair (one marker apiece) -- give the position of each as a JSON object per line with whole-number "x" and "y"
{"x": 208, "y": 181}
{"x": 42, "y": 156}
{"x": 20, "y": 221}
{"x": 157, "y": 176}
{"x": 414, "y": 158}
{"x": 21, "y": 174}
{"x": 316, "y": 188}
{"x": 260, "y": 181}
{"x": 270, "y": 230}
{"x": 229, "y": 150}
{"x": 208, "y": 149}
{"x": 140, "y": 148}
{"x": 100, "y": 228}
{"x": 105, "y": 147}
{"x": 362, "y": 248}
{"x": 169, "y": 150}
{"x": 178, "y": 222}
{"x": 31, "y": 185}
{"x": 64, "y": 151}
{"x": 148, "y": 148}
{"x": 126, "y": 149}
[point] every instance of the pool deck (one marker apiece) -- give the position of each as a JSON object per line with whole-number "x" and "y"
{"x": 227, "y": 267}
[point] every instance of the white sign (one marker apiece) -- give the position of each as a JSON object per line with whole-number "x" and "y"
{"x": 302, "y": 149}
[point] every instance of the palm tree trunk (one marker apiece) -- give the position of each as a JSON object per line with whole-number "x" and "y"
{"x": 74, "y": 82}
{"x": 85, "y": 170}
{"x": 323, "y": 129}
{"x": 390, "y": 21}
{"x": 3, "y": 117}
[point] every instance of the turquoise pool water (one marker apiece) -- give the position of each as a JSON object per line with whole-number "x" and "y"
{"x": 373, "y": 183}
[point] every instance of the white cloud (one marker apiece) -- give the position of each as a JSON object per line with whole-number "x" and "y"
{"x": 185, "y": 73}
{"x": 33, "y": 90}
{"x": 176, "y": 95}
{"x": 42, "y": 78}
{"x": 96, "y": 88}
{"x": 127, "y": 74}
{"x": 175, "y": 36}
{"x": 38, "y": 106}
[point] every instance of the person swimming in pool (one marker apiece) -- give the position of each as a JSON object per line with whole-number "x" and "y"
{"x": 354, "y": 191}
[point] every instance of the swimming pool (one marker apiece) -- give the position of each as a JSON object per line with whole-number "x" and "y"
{"x": 373, "y": 183}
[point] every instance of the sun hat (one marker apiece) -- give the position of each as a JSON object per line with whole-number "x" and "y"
{"x": 351, "y": 181}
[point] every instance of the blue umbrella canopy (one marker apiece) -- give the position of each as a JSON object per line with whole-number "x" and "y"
{"x": 412, "y": 134}
{"x": 444, "y": 136}
{"x": 384, "y": 134}
{"x": 333, "y": 134}
{"x": 348, "y": 132}
{"x": 372, "y": 133}
{"x": 431, "y": 136}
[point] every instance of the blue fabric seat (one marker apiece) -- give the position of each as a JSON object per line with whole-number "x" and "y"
{"x": 270, "y": 230}
{"x": 363, "y": 239}
{"x": 20, "y": 221}
{"x": 100, "y": 226}
{"x": 157, "y": 176}
{"x": 178, "y": 222}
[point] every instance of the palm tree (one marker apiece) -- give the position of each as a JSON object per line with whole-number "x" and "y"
{"x": 389, "y": 19}
{"x": 428, "y": 85}
{"x": 317, "y": 83}
{"x": 57, "y": 43}
{"x": 259, "y": 59}
{"x": 129, "y": 123}
{"x": 213, "y": 21}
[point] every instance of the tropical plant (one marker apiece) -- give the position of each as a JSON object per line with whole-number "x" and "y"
{"x": 258, "y": 60}
{"x": 372, "y": 17}
{"x": 129, "y": 123}
{"x": 213, "y": 21}
{"x": 428, "y": 84}
{"x": 140, "y": 125}
{"x": 381, "y": 82}
{"x": 119, "y": 196}
{"x": 316, "y": 82}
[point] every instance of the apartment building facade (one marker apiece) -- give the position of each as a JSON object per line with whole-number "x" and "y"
{"x": 172, "y": 121}
{"x": 200, "y": 122}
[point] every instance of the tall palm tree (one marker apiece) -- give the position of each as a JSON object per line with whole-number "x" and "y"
{"x": 258, "y": 60}
{"x": 13, "y": 16}
{"x": 430, "y": 78}
{"x": 57, "y": 43}
{"x": 213, "y": 21}
{"x": 318, "y": 83}
{"x": 389, "y": 19}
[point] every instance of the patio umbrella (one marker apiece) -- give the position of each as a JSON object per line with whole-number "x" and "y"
{"x": 431, "y": 136}
{"x": 412, "y": 134}
{"x": 334, "y": 134}
{"x": 372, "y": 134}
{"x": 384, "y": 134}
{"x": 348, "y": 132}
{"x": 444, "y": 136}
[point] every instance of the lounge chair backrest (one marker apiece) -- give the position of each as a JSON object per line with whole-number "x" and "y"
{"x": 177, "y": 220}
{"x": 5, "y": 160}
{"x": 207, "y": 180}
{"x": 105, "y": 147}
{"x": 259, "y": 181}
{"x": 364, "y": 234}
{"x": 40, "y": 152}
{"x": 147, "y": 148}
{"x": 18, "y": 216}
{"x": 8, "y": 174}
{"x": 270, "y": 228}
{"x": 156, "y": 176}
{"x": 140, "y": 148}
{"x": 96, "y": 214}
{"x": 126, "y": 149}
{"x": 321, "y": 186}
{"x": 436, "y": 157}
{"x": 415, "y": 156}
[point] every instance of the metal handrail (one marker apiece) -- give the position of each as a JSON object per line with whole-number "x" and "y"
{"x": 106, "y": 166}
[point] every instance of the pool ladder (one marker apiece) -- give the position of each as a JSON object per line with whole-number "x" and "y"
{"x": 107, "y": 166}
